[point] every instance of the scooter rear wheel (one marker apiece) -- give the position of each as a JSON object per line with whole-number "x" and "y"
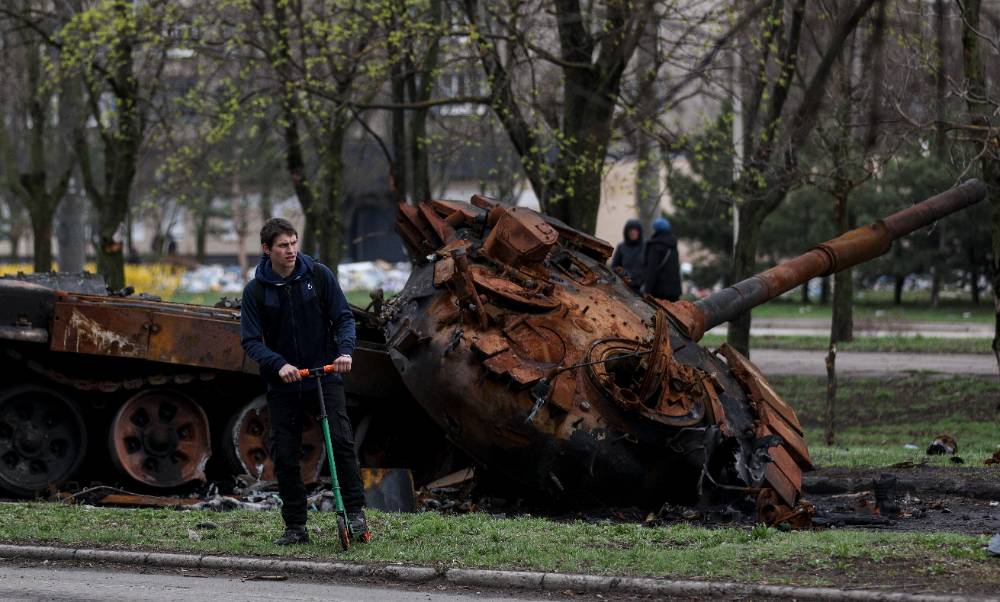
{"x": 343, "y": 533}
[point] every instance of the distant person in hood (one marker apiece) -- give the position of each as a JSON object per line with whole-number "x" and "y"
{"x": 628, "y": 258}
{"x": 663, "y": 268}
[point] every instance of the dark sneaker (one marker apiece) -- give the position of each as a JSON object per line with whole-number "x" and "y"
{"x": 359, "y": 526}
{"x": 293, "y": 535}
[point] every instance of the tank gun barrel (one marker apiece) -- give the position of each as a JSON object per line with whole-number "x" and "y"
{"x": 848, "y": 250}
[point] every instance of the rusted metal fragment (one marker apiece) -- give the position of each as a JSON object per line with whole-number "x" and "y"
{"x": 502, "y": 363}
{"x": 773, "y": 511}
{"x": 758, "y": 387}
{"x": 580, "y": 241}
{"x": 788, "y": 467}
{"x": 417, "y": 235}
{"x": 781, "y": 484}
{"x": 135, "y": 500}
{"x": 490, "y": 343}
{"x": 794, "y": 442}
{"x": 526, "y": 374}
{"x": 442, "y": 231}
{"x": 194, "y": 341}
{"x": 470, "y": 213}
{"x": 444, "y": 271}
{"x": 511, "y": 292}
{"x": 536, "y": 342}
{"x": 684, "y": 313}
{"x": 464, "y": 289}
{"x": 717, "y": 413}
{"x": 520, "y": 237}
{"x": 459, "y": 477}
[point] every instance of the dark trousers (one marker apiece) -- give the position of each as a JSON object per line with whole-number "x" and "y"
{"x": 288, "y": 410}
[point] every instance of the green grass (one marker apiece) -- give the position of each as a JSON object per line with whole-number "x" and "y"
{"x": 876, "y": 418}
{"x": 878, "y": 305}
{"x": 481, "y": 541}
{"x": 887, "y": 344}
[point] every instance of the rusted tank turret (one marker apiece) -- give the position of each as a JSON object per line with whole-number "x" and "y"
{"x": 543, "y": 366}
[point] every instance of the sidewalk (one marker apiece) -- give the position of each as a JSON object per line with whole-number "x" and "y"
{"x": 494, "y": 579}
{"x": 869, "y": 364}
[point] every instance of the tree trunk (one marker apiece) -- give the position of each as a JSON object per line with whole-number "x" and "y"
{"x": 842, "y": 326}
{"x": 974, "y": 285}
{"x": 70, "y": 233}
{"x": 419, "y": 163}
{"x": 824, "y": 290}
{"x": 647, "y": 177}
{"x": 897, "y": 290}
{"x": 17, "y": 226}
{"x": 805, "y": 292}
{"x": 41, "y": 229}
{"x": 936, "y": 285}
{"x": 239, "y": 215}
{"x": 831, "y": 391}
{"x": 328, "y": 225}
{"x": 201, "y": 233}
{"x": 744, "y": 265}
{"x": 576, "y": 197}
{"x": 398, "y": 171}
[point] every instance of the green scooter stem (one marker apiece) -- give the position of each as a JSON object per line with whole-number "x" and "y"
{"x": 324, "y": 420}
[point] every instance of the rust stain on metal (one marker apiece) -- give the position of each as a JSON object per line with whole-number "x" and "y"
{"x": 86, "y": 334}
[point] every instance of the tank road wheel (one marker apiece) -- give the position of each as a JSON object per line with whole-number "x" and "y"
{"x": 42, "y": 439}
{"x": 246, "y": 446}
{"x": 160, "y": 438}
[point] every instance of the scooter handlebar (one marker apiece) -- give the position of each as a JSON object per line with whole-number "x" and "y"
{"x": 306, "y": 372}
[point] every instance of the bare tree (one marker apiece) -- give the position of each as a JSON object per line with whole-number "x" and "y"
{"x": 984, "y": 129}
{"x": 34, "y": 140}
{"x": 781, "y": 92}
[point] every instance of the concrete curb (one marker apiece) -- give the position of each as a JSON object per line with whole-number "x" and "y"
{"x": 524, "y": 580}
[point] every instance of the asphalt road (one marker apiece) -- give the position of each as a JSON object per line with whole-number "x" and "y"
{"x": 122, "y": 584}
{"x": 860, "y": 363}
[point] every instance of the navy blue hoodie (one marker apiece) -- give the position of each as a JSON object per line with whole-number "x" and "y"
{"x": 292, "y": 314}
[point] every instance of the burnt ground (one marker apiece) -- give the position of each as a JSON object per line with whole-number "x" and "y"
{"x": 929, "y": 498}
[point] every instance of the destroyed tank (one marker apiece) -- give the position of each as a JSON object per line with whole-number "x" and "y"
{"x": 127, "y": 389}
{"x": 544, "y": 367}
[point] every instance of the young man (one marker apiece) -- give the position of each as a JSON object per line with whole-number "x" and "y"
{"x": 288, "y": 311}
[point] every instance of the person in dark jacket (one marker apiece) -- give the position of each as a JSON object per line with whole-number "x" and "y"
{"x": 287, "y": 312}
{"x": 628, "y": 257}
{"x": 663, "y": 268}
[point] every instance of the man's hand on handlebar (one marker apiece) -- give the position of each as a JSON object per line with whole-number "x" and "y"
{"x": 289, "y": 374}
{"x": 342, "y": 365}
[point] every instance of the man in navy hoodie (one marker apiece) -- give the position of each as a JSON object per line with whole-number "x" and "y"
{"x": 288, "y": 311}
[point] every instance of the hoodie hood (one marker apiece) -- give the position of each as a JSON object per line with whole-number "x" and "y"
{"x": 266, "y": 274}
{"x": 630, "y": 224}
